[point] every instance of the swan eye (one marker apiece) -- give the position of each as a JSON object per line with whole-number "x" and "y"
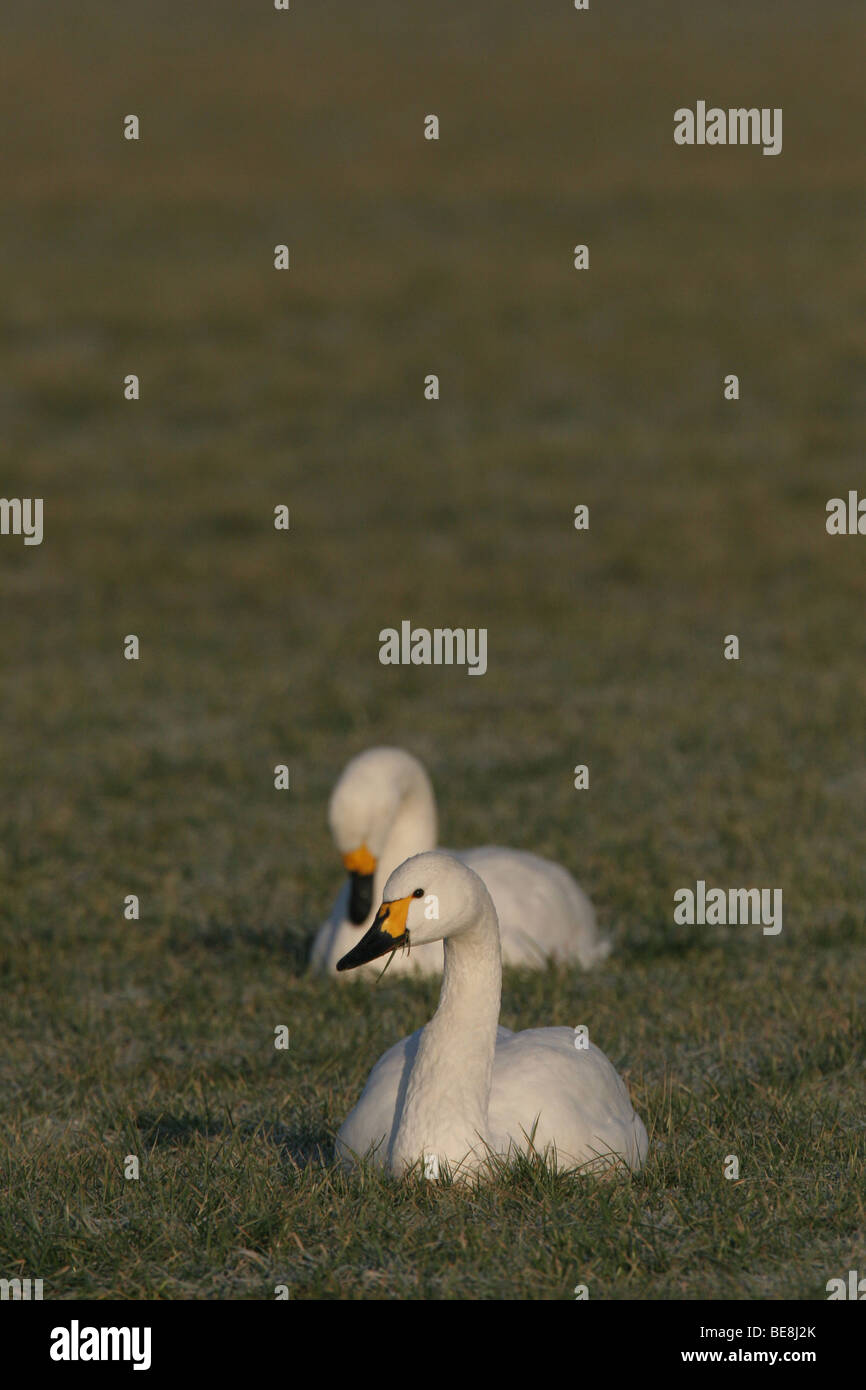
{"x": 419, "y": 893}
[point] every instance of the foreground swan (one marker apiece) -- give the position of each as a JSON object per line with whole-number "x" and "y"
{"x": 382, "y": 811}
{"x": 462, "y": 1088}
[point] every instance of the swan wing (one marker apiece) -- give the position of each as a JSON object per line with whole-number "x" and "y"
{"x": 542, "y": 911}
{"x": 368, "y": 1128}
{"x": 574, "y": 1098}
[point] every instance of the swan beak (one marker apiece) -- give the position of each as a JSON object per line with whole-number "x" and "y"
{"x": 386, "y": 934}
{"x": 361, "y": 867}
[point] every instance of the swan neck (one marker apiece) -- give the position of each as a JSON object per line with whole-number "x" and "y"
{"x": 448, "y": 1095}
{"x": 413, "y": 829}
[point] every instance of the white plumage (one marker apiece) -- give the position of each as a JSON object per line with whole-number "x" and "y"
{"x": 462, "y": 1087}
{"x": 383, "y": 811}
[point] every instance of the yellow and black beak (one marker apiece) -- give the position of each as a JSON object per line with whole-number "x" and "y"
{"x": 361, "y": 866}
{"x": 387, "y": 933}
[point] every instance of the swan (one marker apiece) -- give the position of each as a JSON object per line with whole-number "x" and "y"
{"x": 463, "y": 1088}
{"x": 381, "y": 812}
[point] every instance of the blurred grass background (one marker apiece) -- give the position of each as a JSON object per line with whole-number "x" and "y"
{"x": 258, "y": 647}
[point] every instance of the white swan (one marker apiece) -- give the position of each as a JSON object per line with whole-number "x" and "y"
{"x": 383, "y": 810}
{"x": 462, "y": 1088}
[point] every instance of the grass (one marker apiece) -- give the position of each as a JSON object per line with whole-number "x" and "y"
{"x": 155, "y": 1037}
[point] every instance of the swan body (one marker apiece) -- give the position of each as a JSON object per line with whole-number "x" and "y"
{"x": 382, "y": 812}
{"x": 462, "y": 1088}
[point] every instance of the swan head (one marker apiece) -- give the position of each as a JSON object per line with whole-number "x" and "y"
{"x": 362, "y": 810}
{"x": 428, "y": 898}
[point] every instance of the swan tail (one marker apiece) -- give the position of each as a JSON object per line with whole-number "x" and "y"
{"x": 592, "y": 953}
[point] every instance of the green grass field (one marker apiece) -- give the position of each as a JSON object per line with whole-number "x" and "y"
{"x": 604, "y": 387}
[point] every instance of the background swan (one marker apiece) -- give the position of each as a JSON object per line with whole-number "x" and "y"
{"x": 462, "y": 1086}
{"x": 382, "y": 811}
